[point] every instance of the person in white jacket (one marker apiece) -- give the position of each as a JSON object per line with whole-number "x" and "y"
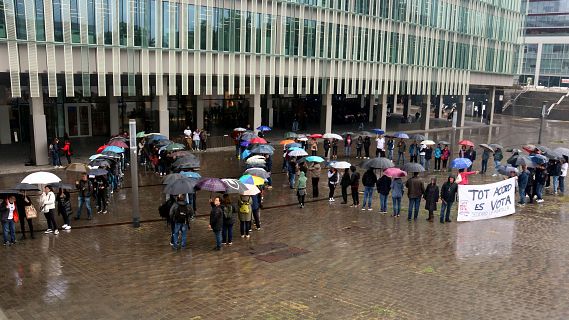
{"x": 47, "y": 203}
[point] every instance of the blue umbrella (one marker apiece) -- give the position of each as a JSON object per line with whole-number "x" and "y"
{"x": 264, "y": 128}
{"x": 461, "y": 163}
{"x": 314, "y": 159}
{"x": 401, "y": 135}
{"x": 114, "y": 149}
{"x": 191, "y": 174}
{"x": 295, "y": 149}
{"x": 157, "y": 137}
{"x": 378, "y": 131}
{"x": 244, "y": 143}
{"x": 293, "y": 145}
{"x": 538, "y": 159}
{"x": 245, "y": 154}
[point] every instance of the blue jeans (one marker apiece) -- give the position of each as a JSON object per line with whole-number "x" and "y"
{"x": 522, "y": 192}
{"x": 291, "y": 180}
{"x": 368, "y": 195}
{"x": 484, "y": 166}
{"x": 227, "y": 234}
{"x": 413, "y": 205}
{"x": 382, "y": 202}
{"x": 496, "y": 165}
{"x": 390, "y": 154}
{"x": 217, "y": 238}
{"x": 445, "y": 211}
{"x": 9, "y": 231}
{"x": 539, "y": 190}
{"x": 87, "y": 202}
{"x": 427, "y": 164}
{"x": 183, "y": 228}
{"x": 555, "y": 183}
{"x": 55, "y": 158}
{"x": 401, "y": 156}
{"x": 396, "y": 205}
{"x": 422, "y": 160}
{"x": 347, "y": 151}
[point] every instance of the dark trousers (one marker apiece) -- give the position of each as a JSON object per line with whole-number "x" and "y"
{"x": 102, "y": 200}
{"x": 50, "y": 217}
{"x": 358, "y": 152}
{"x": 366, "y": 150}
{"x": 315, "y": 181}
{"x": 23, "y": 225}
{"x": 64, "y": 216}
{"x": 355, "y": 196}
{"x": 227, "y": 234}
{"x": 244, "y": 227}
{"x": 68, "y": 158}
{"x": 445, "y": 161}
{"x": 437, "y": 163}
{"x": 332, "y": 188}
{"x": 257, "y": 218}
{"x": 345, "y": 194}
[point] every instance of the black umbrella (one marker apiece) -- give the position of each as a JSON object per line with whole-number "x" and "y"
{"x": 523, "y": 160}
{"x": 172, "y": 177}
{"x": 377, "y": 163}
{"x": 162, "y": 143}
{"x": 62, "y": 185}
{"x": 97, "y": 172}
{"x": 99, "y": 163}
{"x": 418, "y": 137}
{"x": 186, "y": 160}
{"x": 553, "y": 155}
{"x": 412, "y": 167}
{"x": 234, "y": 186}
{"x": 111, "y": 154}
{"x": 26, "y": 187}
{"x": 263, "y": 149}
{"x": 8, "y": 192}
{"x": 181, "y": 186}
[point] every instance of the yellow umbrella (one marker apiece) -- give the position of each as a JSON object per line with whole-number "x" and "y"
{"x": 284, "y": 142}
{"x": 249, "y": 179}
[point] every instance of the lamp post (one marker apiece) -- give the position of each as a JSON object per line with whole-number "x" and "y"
{"x": 541, "y": 123}
{"x": 134, "y": 173}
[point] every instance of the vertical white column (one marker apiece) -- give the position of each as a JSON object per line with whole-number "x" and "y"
{"x": 441, "y": 105}
{"x": 163, "y": 113}
{"x": 255, "y": 107}
{"x": 326, "y": 113}
{"x": 199, "y": 112}
{"x": 114, "y": 115}
{"x": 491, "y": 105}
{"x": 381, "y": 118}
{"x": 270, "y": 109}
{"x": 426, "y": 112}
{"x": 394, "y": 103}
{"x": 460, "y": 112}
{"x": 371, "y": 103}
{"x": 40, "y": 142}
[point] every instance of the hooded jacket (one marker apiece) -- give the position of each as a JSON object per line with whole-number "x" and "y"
{"x": 369, "y": 179}
{"x": 383, "y": 185}
{"x": 449, "y": 190}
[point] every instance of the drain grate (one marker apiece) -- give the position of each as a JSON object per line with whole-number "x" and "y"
{"x": 281, "y": 255}
{"x": 264, "y": 248}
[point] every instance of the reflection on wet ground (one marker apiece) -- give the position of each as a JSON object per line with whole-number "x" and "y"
{"x": 326, "y": 261}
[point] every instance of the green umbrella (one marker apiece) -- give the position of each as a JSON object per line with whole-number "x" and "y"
{"x": 174, "y": 147}
{"x": 290, "y": 135}
{"x": 141, "y": 134}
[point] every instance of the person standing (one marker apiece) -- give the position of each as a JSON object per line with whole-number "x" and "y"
{"x": 498, "y": 156}
{"x": 101, "y": 186}
{"x": 216, "y": 221}
{"x": 180, "y": 213}
{"x": 540, "y": 179}
{"x": 291, "y": 172}
{"x": 438, "y": 153}
{"x": 313, "y": 147}
{"x": 85, "y": 188}
{"x": 229, "y": 218}
{"x": 462, "y": 152}
{"x": 301, "y": 189}
{"x": 471, "y": 154}
{"x": 367, "y": 143}
{"x": 383, "y": 185}
{"x": 448, "y": 195}
{"x": 564, "y": 168}
{"x": 67, "y": 150}
{"x": 444, "y": 157}
{"x": 196, "y": 138}
{"x": 355, "y": 185}
{"x": 203, "y": 140}
{"x": 344, "y": 184}
{"x": 415, "y": 190}
{"x": 9, "y": 216}
{"x": 245, "y": 210}
{"x": 334, "y": 148}
{"x": 54, "y": 151}
{"x": 369, "y": 180}
{"x": 315, "y": 171}
{"x": 348, "y": 146}
{"x": 523, "y": 179}
{"x": 47, "y": 202}
{"x": 188, "y": 137}
{"x": 63, "y": 200}
{"x": 554, "y": 171}
{"x": 422, "y": 153}
{"x": 256, "y": 209}
{"x": 396, "y": 195}
{"x": 431, "y": 197}
{"x": 401, "y": 149}
{"x": 359, "y": 146}
{"x": 332, "y": 182}
{"x": 380, "y": 147}
{"x": 327, "y": 149}
{"x": 23, "y": 201}
{"x": 390, "y": 148}
{"x": 428, "y": 157}
{"x": 463, "y": 176}
{"x": 485, "y": 158}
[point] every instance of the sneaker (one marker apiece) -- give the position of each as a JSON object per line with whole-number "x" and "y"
{"x": 67, "y": 228}
{"x": 48, "y": 231}
{"x": 539, "y": 200}
{"x": 242, "y": 236}
{"x": 229, "y": 243}
{"x": 352, "y": 205}
{"x": 104, "y": 212}
{"x": 333, "y": 199}
{"x": 259, "y": 229}
{"x": 64, "y": 226}
{"x": 363, "y": 209}
{"x": 494, "y": 175}
{"x": 368, "y": 209}
{"x": 248, "y": 236}
{"x": 56, "y": 232}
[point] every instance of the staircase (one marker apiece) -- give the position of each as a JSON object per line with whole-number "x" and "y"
{"x": 529, "y": 103}
{"x": 560, "y": 109}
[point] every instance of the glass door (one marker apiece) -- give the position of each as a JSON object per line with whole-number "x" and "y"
{"x": 78, "y": 120}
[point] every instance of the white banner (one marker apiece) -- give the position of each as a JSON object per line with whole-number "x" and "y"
{"x": 487, "y": 201}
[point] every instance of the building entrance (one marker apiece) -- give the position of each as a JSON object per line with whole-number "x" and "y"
{"x": 78, "y": 120}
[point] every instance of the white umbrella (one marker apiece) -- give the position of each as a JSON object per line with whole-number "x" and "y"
{"x": 298, "y": 153}
{"x": 428, "y": 142}
{"x": 341, "y": 165}
{"x": 251, "y": 190}
{"x": 332, "y": 136}
{"x": 240, "y": 129}
{"x": 41, "y": 177}
{"x": 255, "y": 161}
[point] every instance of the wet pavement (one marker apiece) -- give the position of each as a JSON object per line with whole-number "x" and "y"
{"x": 326, "y": 261}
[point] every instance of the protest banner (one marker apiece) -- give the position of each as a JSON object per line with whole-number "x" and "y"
{"x": 487, "y": 201}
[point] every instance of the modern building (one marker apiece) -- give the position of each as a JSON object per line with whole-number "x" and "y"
{"x": 84, "y": 67}
{"x": 546, "y": 49}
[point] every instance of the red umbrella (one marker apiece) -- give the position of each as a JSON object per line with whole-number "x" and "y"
{"x": 529, "y": 148}
{"x": 118, "y": 143}
{"x": 395, "y": 173}
{"x": 315, "y": 136}
{"x": 257, "y": 141}
{"x": 101, "y": 148}
{"x": 467, "y": 143}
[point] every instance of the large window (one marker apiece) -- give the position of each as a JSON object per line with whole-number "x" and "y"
{"x": 40, "y": 21}
{"x": 138, "y": 18}
{"x": 203, "y": 28}
{"x": 123, "y": 21}
{"x": 20, "y": 20}
{"x": 309, "y": 42}
{"x": 91, "y": 27}
{"x": 75, "y": 33}
{"x": 165, "y": 24}
{"x": 176, "y": 17}
{"x": 107, "y": 17}
{"x": 151, "y": 18}
{"x": 291, "y": 36}
{"x": 191, "y": 25}
{"x": 57, "y": 21}
{"x": 2, "y": 20}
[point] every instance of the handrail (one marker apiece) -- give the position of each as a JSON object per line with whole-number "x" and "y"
{"x": 553, "y": 105}
{"x": 511, "y": 101}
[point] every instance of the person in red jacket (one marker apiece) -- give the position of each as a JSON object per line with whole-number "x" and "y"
{"x": 67, "y": 150}
{"x": 463, "y": 180}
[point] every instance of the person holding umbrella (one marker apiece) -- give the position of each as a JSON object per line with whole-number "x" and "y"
{"x": 315, "y": 171}
{"x": 359, "y": 146}
{"x": 229, "y": 217}
{"x": 10, "y": 216}
{"x": 498, "y": 156}
{"x": 396, "y": 195}
{"x": 540, "y": 179}
{"x": 523, "y": 179}
{"x": 445, "y": 156}
{"x": 334, "y": 148}
{"x": 23, "y": 201}
{"x": 332, "y": 182}
{"x": 216, "y": 221}
{"x": 431, "y": 197}
{"x": 344, "y": 184}
{"x": 383, "y": 186}
{"x": 47, "y": 205}
{"x": 313, "y": 147}
{"x": 448, "y": 195}
{"x": 327, "y": 149}
{"x": 415, "y": 190}
{"x": 85, "y": 188}
{"x": 485, "y": 158}
{"x": 438, "y": 153}
{"x": 63, "y": 200}
{"x": 348, "y": 146}
{"x": 245, "y": 211}
{"x": 355, "y": 184}
{"x": 390, "y": 148}
{"x": 367, "y": 144}
{"x": 401, "y": 148}
{"x": 101, "y": 186}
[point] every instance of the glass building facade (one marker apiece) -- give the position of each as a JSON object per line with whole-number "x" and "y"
{"x": 546, "y": 49}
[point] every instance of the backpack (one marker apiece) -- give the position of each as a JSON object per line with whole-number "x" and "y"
{"x": 182, "y": 214}
{"x": 164, "y": 209}
{"x": 244, "y": 207}
{"x": 227, "y": 212}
